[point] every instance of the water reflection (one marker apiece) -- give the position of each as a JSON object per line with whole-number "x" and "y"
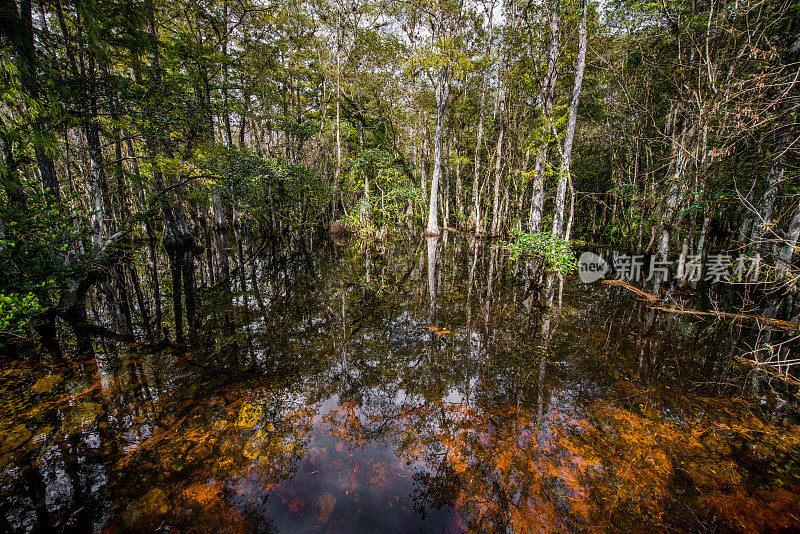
{"x": 433, "y": 242}
{"x": 430, "y": 388}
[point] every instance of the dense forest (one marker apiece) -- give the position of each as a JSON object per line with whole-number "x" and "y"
{"x": 149, "y": 148}
{"x": 329, "y": 266}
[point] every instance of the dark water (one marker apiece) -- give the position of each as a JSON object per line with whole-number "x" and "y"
{"x": 428, "y": 388}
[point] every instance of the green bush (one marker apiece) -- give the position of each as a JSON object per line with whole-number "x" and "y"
{"x": 17, "y": 312}
{"x": 554, "y": 251}
{"x": 391, "y": 193}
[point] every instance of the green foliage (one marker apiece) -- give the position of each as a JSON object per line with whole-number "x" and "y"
{"x": 554, "y": 251}
{"x": 257, "y": 185}
{"x": 17, "y": 312}
{"x": 391, "y": 192}
{"x": 33, "y": 244}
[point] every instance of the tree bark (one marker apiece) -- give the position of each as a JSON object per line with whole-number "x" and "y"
{"x": 566, "y": 156}
{"x": 442, "y": 98}
{"x": 786, "y": 250}
{"x": 498, "y": 159}
{"x": 548, "y": 92}
{"x": 475, "y": 213}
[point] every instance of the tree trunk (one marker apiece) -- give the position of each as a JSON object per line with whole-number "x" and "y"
{"x": 442, "y": 97}
{"x": 16, "y": 27}
{"x": 459, "y": 201}
{"x": 566, "y": 156}
{"x": 498, "y": 159}
{"x": 226, "y": 114}
{"x": 785, "y": 252}
{"x": 220, "y": 236}
{"x": 178, "y": 239}
{"x": 475, "y": 210}
{"x": 424, "y": 163}
{"x": 782, "y": 143}
{"x": 243, "y": 116}
{"x": 548, "y": 91}
{"x": 152, "y": 257}
{"x": 96, "y": 179}
{"x": 675, "y": 195}
{"x": 475, "y": 214}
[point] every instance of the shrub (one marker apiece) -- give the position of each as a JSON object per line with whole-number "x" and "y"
{"x": 554, "y": 251}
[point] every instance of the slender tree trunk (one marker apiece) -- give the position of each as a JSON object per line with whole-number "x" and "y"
{"x": 243, "y": 116}
{"x": 96, "y": 178}
{"x": 459, "y": 198}
{"x": 338, "y": 106}
{"x": 787, "y": 248}
{"x": 16, "y": 27}
{"x": 675, "y": 195}
{"x": 566, "y": 156}
{"x": 445, "y": 192}
{"x": 367, "y": 203}
{"x": 498, "y": 159}
{"x": 178, "y": 239}
{"x": 177, "y": 303}
{"x": 548, "y": 92}
{"x": 423, "y": 162}
{"x": 221, "y": 236}
{"x": 747, "y": 219}
{"x": 475, "y": 214}
{"x": 568, "y": 229}
{"x": 118, "y": 273}
{"x": 226, "y": 115}
{"x": 141, "y": 303}
{"x": 681, "y": 271}
{"x": 763, "y": 215}
{"x": 781, "y": 144}
{"x": 442, "y": 97}
{"x": 701, "y": 242}
{"x": 207, "y": 230}
{"x": 152, "y": 257}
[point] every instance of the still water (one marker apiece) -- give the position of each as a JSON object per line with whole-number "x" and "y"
{"x": 424, "y": 388}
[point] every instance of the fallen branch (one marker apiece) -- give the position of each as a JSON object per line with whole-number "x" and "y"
{"x": 760, "y": 319}
{"x": 767, "y": 321}
{"x": 625, "y": 285}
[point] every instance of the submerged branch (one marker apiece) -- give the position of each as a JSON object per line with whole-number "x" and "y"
{"x": 760, "y": 319}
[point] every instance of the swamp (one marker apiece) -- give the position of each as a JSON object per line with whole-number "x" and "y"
{"x": 446, "y": 266}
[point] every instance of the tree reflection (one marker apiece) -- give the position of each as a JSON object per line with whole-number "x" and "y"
{"x": 341, "y": 397}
